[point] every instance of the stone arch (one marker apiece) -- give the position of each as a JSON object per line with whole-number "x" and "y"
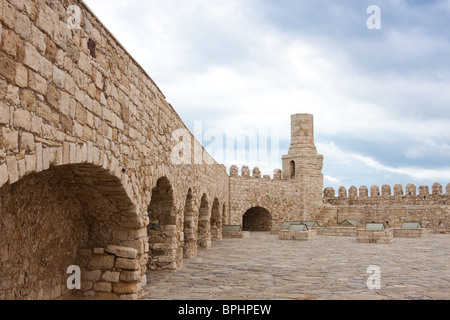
{"x": 54, "y": 219}
{"x": 203, "y": 230}
{"x": 257, "y": 219}
{"x": 189, "y": 228}
{"x": 216, "y": 220}
{"x": 162, "y": 230}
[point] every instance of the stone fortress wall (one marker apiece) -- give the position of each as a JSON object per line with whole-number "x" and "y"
{"x": 393, "y": 207}
{"x": 87, "y": 175}
{"x": 295, "y": 194}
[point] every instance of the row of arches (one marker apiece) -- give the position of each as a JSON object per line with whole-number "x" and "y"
{"x": 49, "y": 219}
{"x": 176, "y": 234}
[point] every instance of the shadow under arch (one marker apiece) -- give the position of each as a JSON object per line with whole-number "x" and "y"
{"x": 257, "y": 219}
{"x": 54, "y": 219}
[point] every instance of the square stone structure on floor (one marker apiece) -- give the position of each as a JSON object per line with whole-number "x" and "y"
{"x": 375, "y": 233}
{"x": 298, "y": 232}
{"x": 412, "y": 230}
{"x": 231, "y": 231}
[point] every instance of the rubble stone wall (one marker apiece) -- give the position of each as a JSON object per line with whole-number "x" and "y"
{"x": 391, "y": 206}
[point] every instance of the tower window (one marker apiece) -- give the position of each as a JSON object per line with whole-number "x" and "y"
{"x": 292, "y": 169}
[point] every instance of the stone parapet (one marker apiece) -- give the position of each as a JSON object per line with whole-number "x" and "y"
{"x": 297, "y": 235}
{"x": 412, "y": 233}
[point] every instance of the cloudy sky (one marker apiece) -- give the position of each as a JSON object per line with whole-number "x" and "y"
{"x": 380, "y": 98}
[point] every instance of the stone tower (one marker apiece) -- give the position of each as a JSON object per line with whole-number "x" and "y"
{"x": 302, "y": 166}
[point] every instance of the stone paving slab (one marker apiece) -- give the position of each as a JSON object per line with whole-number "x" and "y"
{"x": 328, "y": 268}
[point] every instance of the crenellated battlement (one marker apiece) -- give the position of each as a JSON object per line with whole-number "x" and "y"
{"x": 255, "y": 173}
{"x": 410, "y": 194}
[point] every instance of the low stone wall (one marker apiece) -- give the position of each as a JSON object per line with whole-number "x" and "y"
{"x": 338, "y": 231}
{"x": 412, "y": 233}
{"x": 297, "y": 235}
{"x": 372, "y": 236}
{"x": 111, "y": 273}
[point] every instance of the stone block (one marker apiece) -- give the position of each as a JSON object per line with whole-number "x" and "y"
{"x": 7, "y": 67}
{"x": 101, "y": 262}
{"x": 92, "y": 275}
{"x": 103, "y": 287}
{"x": 9, "y": 139}
{"x": 130, "y": 276}
{"x": 13, "y": 171}
{"x": 4, "y": 113}
{"x": 22, "y": 119}
{"x": 32, "y": 57}
{"x": 21, "y": 76}
{"x": 125, "y": 288}
{"x": 111, "y": 276}
{"x": 4, "y": 176}
{"x": 27, "y": 141}
{"x": 127, "y": 264}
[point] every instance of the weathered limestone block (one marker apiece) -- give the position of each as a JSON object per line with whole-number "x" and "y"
{"x": 101, "y": 262}
{"x": 9, "y": 139}
{"x": 111, "y": 276}
{"x": 125, "y": 288}
{"x": 130, "y": 276}
{"x": 127, "y": 264}
{"x": 4, "y": 113}
{"x": 122, "y": 252}
{"x": 103, "y": 287}
{"x": 371, "y": 236}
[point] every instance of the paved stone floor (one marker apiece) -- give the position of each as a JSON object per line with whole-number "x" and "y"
{"x": 332, "y": 268}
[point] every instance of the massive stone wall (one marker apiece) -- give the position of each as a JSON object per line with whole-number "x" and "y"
{"x": 277, "y": 196}
{"x": 392, "y": 207}
{"x": 86, "y": 147}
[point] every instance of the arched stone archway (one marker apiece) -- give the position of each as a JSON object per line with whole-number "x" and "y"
{"x": 203, "y": 230}
{"x": 216, "y": 220}
{"x": 162, "y": 229}
{"x": 189, "y": 228}
{"x": 54, "y": 219}
{"x": 257, "y": 219}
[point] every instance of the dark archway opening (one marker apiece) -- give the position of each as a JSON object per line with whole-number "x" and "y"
{"x": 49, "y": 220}
{"x": 257, "y": 219}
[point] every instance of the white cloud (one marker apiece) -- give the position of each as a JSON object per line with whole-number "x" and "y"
{"x": 223, "y": 63}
